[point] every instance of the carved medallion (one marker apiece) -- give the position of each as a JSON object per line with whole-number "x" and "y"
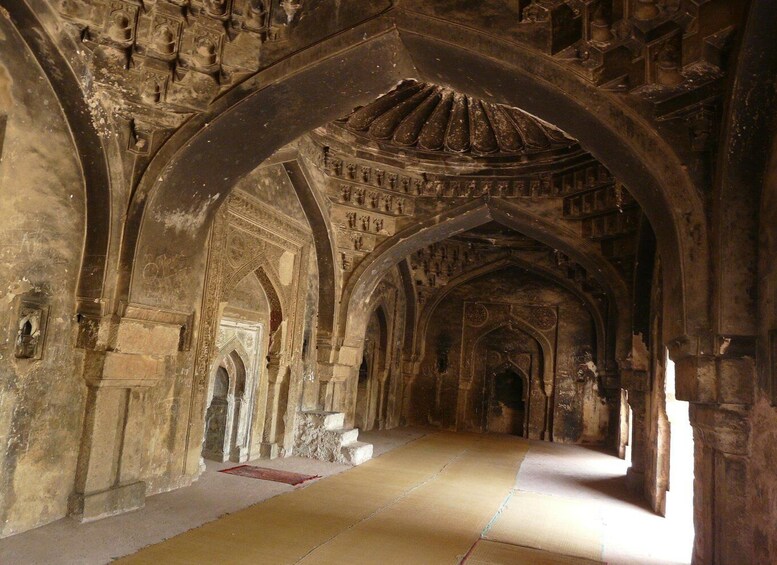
{"x": 236, "y": 249}
{"x": 543, "y": 317}
{"x": 476, "y": 314}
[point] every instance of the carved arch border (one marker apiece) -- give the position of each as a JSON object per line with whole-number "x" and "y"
{"x": 547, "y": 351}
{"x": 547, "y": 348}
{"x": 233, "y": 346}
{"x": 367, "y": 274}
{"x": 604, "y": 329}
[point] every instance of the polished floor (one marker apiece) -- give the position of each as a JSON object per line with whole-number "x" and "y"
{"x": 430, "y": 497}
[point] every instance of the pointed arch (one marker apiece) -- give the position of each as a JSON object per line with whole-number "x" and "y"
{"x": 335, "y": 75}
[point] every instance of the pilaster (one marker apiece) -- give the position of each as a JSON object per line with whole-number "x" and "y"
{"x": 123, "y": 358}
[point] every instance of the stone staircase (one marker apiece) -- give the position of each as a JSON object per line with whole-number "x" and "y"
{"x": 323, "y": 435}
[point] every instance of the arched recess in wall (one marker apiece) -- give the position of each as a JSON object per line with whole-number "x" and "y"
{"x": 57, "y": 62}
{"x": 274, "y": 107}
{"x": 259, "y": 266}
{"x": 511, "y": 367}
{"x": 370, "y": 271}
{"x": 546, "y": 386}
{"x": 227, "y": 415}
{"x": 371, "y": 391}
{"x": 600, "y": 318}
{"x": 526, "y": 327}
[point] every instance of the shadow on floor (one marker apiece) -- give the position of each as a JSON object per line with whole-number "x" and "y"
{"x": 614, "y": 487}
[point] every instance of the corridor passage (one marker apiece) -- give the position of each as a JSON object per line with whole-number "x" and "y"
{"x": 429, "y": 497}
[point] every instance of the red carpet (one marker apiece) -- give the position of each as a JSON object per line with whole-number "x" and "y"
{"x": 266, "y": 474}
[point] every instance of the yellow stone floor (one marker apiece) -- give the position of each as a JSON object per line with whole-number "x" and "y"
{"x": 427, "y": 502}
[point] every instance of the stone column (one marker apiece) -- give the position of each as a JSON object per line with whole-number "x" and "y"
{"x": 720, "y": 436}
{"x": 277, "y": 374}
{"x": 410, "y": 370}
{"x": 717, "y": 375}
{"x": 122, "y": 358}
{"x": 462, "y": 402}
{"x": 345, "y": 376}
{"x": 634, "y": 379}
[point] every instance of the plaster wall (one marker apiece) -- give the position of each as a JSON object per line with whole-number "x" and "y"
{"x": 41, "y": 241}
{"x": 762, "y": 480}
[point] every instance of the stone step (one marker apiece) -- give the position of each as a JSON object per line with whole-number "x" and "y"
{"x": 347, "y": 436}
{"x": 356, "y": 453}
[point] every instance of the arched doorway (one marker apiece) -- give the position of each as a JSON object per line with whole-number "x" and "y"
{"x": 371, "y": 393}
{"x": 215, "y": 446}
{"x": 505, "y": 399}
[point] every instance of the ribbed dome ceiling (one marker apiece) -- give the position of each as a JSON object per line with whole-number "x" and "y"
{"x": 436, "y": 119}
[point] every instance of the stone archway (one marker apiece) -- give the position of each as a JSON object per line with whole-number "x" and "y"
{"x": 527, "y": 353}
{"x": 524, "y": 84}
{"x": 226, "y": 418}
{"x": 506, "y": 400}
{"x": 371, "y": 390}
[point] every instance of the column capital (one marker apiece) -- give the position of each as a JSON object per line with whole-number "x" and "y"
{"x": 714, "y": 369}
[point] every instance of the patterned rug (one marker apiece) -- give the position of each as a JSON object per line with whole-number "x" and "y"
{"x": 266, "y": 474}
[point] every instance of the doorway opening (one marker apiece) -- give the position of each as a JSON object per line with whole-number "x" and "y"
{"x": 371, "y": 386}
{"x": 679, "y": 496}
{"x": 506, "y": 403}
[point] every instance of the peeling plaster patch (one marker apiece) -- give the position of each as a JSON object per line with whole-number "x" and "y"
{"x": 186, "y": 220}
{"x": 6, "y": 99}
{"x": 286, "y": 268}
{"x": 19, "y": 287}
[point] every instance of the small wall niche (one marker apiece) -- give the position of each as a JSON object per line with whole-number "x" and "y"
{"x": 28, "y": 328}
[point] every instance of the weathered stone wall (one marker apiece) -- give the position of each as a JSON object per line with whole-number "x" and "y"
{"x": 41, "y": 241}
{"x": 561, "y": 321}
{"x": 762, "y": 480}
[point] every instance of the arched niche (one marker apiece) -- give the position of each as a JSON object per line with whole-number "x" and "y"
{"x": 230, "y": 401}
{"x": 507, "y": 346}
{"x": 370, "y": 388}
{"x": 507, "y": 399}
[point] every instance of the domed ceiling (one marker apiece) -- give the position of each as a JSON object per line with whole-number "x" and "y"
{"x": 436, "y": 120}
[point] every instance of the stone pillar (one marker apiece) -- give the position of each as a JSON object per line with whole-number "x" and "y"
{"x": 410, "y": 370}
{"x": 462, "y": 402}
{"x": 716, "y": 375}
{"x": 720, "y": 436}
{"x": 345, "y": 377}
{"x": 635, "y": 475}
{"x": 277, "y": 375}
{"x": 634, "y": 379}
{"x": 122, "y": 358}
